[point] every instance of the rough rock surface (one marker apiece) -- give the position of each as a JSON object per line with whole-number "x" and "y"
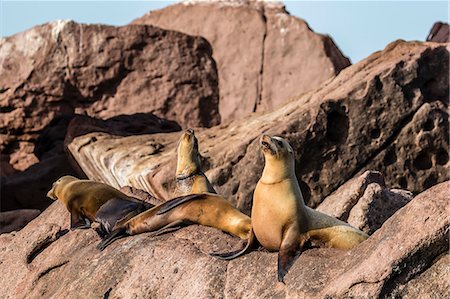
{"x": 365, "y": 202}
{"x": 439, "y": 33}
{"x": 16, "y": 220}
{"x": 57, "y": 69}
{"x": 337, "y": 131}
{"x": 432, "y": 283}
{"x": 419, "y": 157}
{"x": 400, "y": 253}
{"x": 28, "y": 189}
{"x": 274, "y": 57}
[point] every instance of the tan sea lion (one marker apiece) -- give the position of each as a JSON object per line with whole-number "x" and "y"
{"x": 94, "y": 201}
{"x": 205, "y": 209}
{"x": 190, "y": 178}
{"x": 280, "y": 219}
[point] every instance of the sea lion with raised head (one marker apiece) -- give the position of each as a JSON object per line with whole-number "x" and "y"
{"x": 205, "y": 209}
{"x": 89, "y": 201}
{"x": 190, "y": 178}
{"x": 280, "y": 219}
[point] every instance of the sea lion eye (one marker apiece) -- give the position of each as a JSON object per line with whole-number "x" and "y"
{"x": 280, "y": 143}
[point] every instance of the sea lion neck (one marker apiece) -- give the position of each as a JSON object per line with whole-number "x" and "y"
{"x": 188, "y": 164}
{"x": 277, "y": 170}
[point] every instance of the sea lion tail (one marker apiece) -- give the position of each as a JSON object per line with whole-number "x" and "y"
{"x": 113, "y": 236}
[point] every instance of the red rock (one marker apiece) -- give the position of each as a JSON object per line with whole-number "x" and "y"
{"x": 399, "y": 256}
{"x": 274, "y": 57}
{"x": 439, "y": 33}
{"x": 337, "y": 131}
{"x": 57, "y": 69}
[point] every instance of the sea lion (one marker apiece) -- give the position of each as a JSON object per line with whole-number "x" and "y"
{"x": 89, "y": 201}
{"x": 205, "y": 209}
{"x": 190, "y": 178}
{"x": 280, "y": 219}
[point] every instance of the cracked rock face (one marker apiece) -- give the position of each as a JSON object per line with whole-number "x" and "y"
{"x": 403, "y": 256}
{"x": 57, "y": 69}
{"x": 392, "y": 99}
{"x": 264, "y": 55}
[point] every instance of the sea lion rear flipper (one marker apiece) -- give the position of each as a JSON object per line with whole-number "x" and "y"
{"x": 115, "y": 235}
{"x": 290, "y": 249}
{"x": 234, "y": 254}
{"x": 170, "y": 226}
{"x": 170, "y": 204}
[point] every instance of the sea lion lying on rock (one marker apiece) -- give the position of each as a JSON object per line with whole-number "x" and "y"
{"x": 89, "y": 201}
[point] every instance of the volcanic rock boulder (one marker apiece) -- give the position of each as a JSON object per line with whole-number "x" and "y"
{"x": 57, "y": 69}
{"x": 440, "y": 33}
{"x": 264, "y": 55}
{"x": 397, "y": 259}
{"x": 337, "y": 131}
{"x": 365, "y": 202}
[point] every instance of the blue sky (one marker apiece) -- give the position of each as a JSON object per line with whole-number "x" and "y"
{"x": 359, "y": 28}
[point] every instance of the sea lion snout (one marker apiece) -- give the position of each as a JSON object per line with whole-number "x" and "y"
{"x": 51, "y": 194}
{"x": 267, "y": 145}
{"x": 188, "y": 134}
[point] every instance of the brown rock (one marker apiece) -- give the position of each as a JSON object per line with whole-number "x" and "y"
{"x": 178, "y": 265}
{"x": 57, "y": 69}
{"x": 439, "y": 33}
{"x": 365, "y": 202}
{"x": 340, "y": 202}
{"x": 432, "y": 283}
{"x": 336, "y": 132}
{"x": 16, "y": 220}
{"x": 5, "y": 167}
{"x": 274, "y": 57}
{"x": 375, "y": 206}
{"x": 419, "y": 158}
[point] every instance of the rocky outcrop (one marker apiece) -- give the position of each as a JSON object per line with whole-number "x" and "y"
{"x": 28, "y": 189}
{"x": 439, "y": 33}
{"x": 398, "y": 258}
{"x": 337, "y": 131}
{"x": 365, "y": 202}
{"x": 274, "y": 57}
{"x": 52, "y": 71}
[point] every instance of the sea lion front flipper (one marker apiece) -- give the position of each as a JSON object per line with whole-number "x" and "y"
{"x": 170, "y": 226}
{"x": 234, "y": 254}
{"x": 115, "y": 212}
{"x": 114, "y": 235}
{"x": 170, "y": 204}
{"x": 78, "y": 222}
{"x": 290, "y": 249}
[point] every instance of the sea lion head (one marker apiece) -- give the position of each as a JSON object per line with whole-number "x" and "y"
{"x": 276, "y": 148}
{"x": 58, "y": 185}
{"x": 279, "y": 156}
{"x": 188, "y": 156}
